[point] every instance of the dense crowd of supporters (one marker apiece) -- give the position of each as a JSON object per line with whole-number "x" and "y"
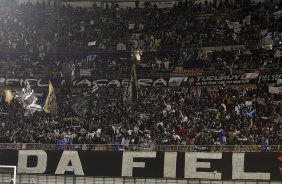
{"x": 161, "y": 115}
{"x": 41, "y": 29}
{"x": 226, "y": 62}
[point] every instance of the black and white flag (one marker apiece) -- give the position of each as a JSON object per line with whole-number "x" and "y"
{"x": 131, "y": 90}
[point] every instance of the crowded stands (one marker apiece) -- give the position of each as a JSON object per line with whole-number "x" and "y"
{"x": 166, "y": 38}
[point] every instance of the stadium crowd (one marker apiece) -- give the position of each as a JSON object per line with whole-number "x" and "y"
{"x": 221, "y": 62}
{"x": 188, "y": 115}
{"x": 41, "y": 29}
{"x": 170, "y": 116}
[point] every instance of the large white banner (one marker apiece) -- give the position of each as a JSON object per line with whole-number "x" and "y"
{"x": 275, "y": 90}
{"x": 85, "y": 72}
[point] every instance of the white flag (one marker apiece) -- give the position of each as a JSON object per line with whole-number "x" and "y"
{"x": 250, "y": 76}
{"x": 176, "y": 81}
{"x": 277, "y": 14}
{"x": 91, "y": 43}
{"x": 131, "y": 26}
{"x": 263, "y": 32}
{"x": 275, "y": 90}
{"x": 278, "y": 53}
{"x": 28, "y": 99}
{"x": 268, "y": 39}
{"x": 248, "y": 20}
{"x": 234, "y": 25}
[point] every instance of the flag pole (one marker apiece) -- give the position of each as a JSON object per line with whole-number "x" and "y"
{"x": 73, "y": 176}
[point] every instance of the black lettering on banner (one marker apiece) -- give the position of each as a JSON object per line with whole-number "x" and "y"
{"x": 201, "y": 165}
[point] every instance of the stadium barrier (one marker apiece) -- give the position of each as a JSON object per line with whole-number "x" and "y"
{"x": 58, "y": 179}
{"x": 146, "y": 167}
{"x": 263, "y": 166}
{"x": 142, "y": 147}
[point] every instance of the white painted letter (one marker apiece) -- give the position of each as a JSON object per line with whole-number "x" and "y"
{"x": 170, "y": 164}
{"x": 160, "y": 82}
{"x": 41, "y": 161}
{"x": 39, "y": 84}
{"x": 116, "y": 83}
{"x": 128, "y": 164}
{"x": 69, "y": 156}
{"x": 11, "y": 81}
{"x": 32, "y": 82}
{"x": 101, "y": 82}
{"x": 191, "y": 165}
{"x": 238, "y": 169}
{"x": 124, "y": 82}
{"x": 145, "y": 82}
{"x": 83, "y": 82}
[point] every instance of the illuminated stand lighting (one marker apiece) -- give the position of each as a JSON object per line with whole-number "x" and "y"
{"x": 138, "y": 55}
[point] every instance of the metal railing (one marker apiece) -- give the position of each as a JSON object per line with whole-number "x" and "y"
{"x": 143, "y": 147}
{"x": 68, "y": 179}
